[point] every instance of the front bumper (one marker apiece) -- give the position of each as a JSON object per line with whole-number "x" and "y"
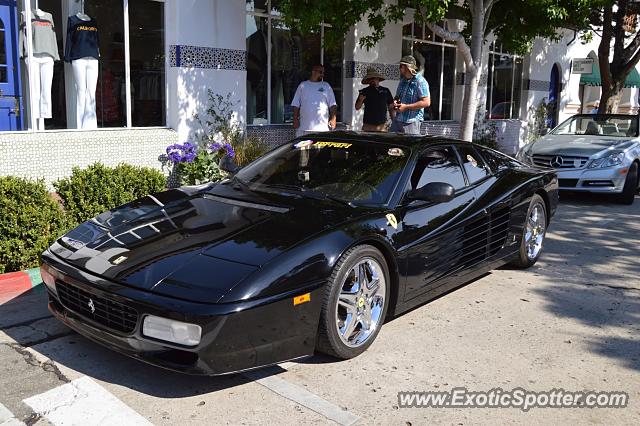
{"x": 606, "y": 180}
{"x": 235, "y": 336}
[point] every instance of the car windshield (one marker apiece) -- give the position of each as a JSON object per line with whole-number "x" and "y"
{"x": 599, "y": 125}
{"x": 362, "y": 173}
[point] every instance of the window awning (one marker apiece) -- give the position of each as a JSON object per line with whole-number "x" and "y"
{"x": 594, "y": 79}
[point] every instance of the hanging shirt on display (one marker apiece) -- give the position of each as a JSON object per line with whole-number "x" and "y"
{"x": 43, "y": 36}
{"x": 82, "y": 39}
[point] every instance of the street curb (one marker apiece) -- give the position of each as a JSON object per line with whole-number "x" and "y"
{"x": 14, "y": 284}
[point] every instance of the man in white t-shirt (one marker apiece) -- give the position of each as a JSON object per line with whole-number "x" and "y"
{"x": 314, "y": 104}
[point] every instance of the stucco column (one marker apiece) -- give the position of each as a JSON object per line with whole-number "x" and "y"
{"x": 205, "y": 42}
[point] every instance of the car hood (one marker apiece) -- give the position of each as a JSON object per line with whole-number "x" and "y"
{"x": 195, "y": 245}
{"x": 577, "y": 145}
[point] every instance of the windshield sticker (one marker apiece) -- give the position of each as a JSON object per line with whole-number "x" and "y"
{"x": 396, "y": 152}
{"x": 303, "y": 144}
{"x": 333, "y": 144}
{"x": 392, "y": 221}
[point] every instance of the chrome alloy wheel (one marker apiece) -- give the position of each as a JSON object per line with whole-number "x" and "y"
{"x": 361, "y": 302}
{"x": 535, "y": 230}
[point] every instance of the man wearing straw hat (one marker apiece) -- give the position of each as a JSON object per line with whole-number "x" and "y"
{"x": 411, "y": 98}
{"x": 377, "y": 100}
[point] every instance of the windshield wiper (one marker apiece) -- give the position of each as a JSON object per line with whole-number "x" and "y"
{"x": 311, "y": 193}
{"x": 242, "y": 184}
{"x": 325, "y": 196}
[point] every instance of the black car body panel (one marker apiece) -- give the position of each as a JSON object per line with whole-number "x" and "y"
{"x": 232, "y": 260}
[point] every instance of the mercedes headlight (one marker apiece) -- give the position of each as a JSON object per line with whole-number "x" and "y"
{"x": 610, "y": 160}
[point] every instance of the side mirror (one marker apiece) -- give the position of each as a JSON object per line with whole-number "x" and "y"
{"x": 227, "y": 164}
{"x": 544, "y": 131}
{"x": 436, "y": 192}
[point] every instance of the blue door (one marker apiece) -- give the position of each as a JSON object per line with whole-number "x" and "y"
{"x": 10, "y": 109}
{"x": 554, "y": 97}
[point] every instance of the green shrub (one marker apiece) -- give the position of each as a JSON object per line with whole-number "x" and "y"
{"x": 30, "y": 220}
{"x": 91, "y": 191}
{"x": 248, "y": 150}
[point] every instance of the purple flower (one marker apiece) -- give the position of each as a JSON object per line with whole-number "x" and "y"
{"x": 215, "y": 146}
{"x": 182, "y": 153}
{"x": 230, "y": 152}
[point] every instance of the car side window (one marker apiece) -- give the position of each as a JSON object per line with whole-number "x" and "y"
{"x": 437, "y": 165}
{"x": 473, "y": 164}
{"x": 497, "y": 161}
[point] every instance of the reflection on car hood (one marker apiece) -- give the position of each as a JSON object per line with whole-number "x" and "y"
{"x": 578, "y": 145}
{"x": 204, "y": 242}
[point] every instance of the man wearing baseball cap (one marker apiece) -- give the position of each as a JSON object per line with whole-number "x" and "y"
{"x": 377, "y": 100}
{"x": 412, "y": 96}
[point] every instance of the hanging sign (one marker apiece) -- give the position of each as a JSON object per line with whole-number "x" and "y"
{"x": 582, "y": 66}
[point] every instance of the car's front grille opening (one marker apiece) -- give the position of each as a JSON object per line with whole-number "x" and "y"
{"x": 567, "y": 183}
{"x": 560, "y": 161}
{"x": 601, "y": 183}
{"x": 106, "y": 312}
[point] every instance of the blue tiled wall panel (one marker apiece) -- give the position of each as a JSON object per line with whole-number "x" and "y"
{"x": 184, "y": 56}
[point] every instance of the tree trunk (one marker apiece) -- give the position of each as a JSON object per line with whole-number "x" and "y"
{"x": 472, "y": 59}
{"x": 610, "y": 99}
{"x": 474, "y": 69}
{"x": 469, "y": 105}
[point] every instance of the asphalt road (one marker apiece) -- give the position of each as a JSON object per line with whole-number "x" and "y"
{"x": 571, "y": 322}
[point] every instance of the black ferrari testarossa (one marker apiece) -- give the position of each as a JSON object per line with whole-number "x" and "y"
{"x": 309, "y": 247}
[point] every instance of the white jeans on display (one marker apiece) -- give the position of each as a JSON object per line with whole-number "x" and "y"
{"x": 85, "y": 77}
{"x": 41, "y": 72}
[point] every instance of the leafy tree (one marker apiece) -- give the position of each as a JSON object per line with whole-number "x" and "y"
{"x": 516, "y": 22}
{"x": 616, "y": 22}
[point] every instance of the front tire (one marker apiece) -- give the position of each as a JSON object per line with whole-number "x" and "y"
{"x": 628, "y": 193}
{"x": 533, "y": 234}
{"x": 355, "y": 303}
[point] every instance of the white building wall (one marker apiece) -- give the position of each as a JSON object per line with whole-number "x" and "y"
{"x": 205, "y": 42}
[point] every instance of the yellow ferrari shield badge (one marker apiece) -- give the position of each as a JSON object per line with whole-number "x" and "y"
{"x": 392, "y": 221}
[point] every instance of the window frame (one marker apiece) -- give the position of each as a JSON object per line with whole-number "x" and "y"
{"x": 485, "y": 165}
{"x": 456, "y": 155}
{"x": 31, "y": 122}
{"x": 498, "y": 51}
{"x": 481, "y": 150}
{"x": 270, "y": 16}
{"x": 431, "y": 39}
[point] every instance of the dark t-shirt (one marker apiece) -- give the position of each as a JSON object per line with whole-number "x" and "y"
{"x": 376, "y": 104}
{"x": 82, "y": 39}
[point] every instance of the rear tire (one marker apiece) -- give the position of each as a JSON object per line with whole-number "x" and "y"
{"x": 355, "y": 303}
{"x": 630, "y": 188}
{"x": 534, "y": 231}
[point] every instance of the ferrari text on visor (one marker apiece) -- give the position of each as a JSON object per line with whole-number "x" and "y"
{"x": 515, "y": 398}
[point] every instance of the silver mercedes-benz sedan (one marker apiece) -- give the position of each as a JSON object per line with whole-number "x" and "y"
{"x": 591, "y": 152}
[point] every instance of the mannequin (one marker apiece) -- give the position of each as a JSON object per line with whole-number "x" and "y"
{"x": 82, "y": 51}
{"x": 40, "y": 66}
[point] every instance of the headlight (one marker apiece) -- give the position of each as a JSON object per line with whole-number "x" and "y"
{"x": 169, "y": 330}
{"x": 608, "y": 161}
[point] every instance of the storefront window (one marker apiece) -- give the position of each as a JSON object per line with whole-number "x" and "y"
{"x": 278, "y": 59}
{"x": 146, "y": 35}
{"x": 437, "y": 62}
{"x": 74, "y": 72}
{"x": 504, "y": 84}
